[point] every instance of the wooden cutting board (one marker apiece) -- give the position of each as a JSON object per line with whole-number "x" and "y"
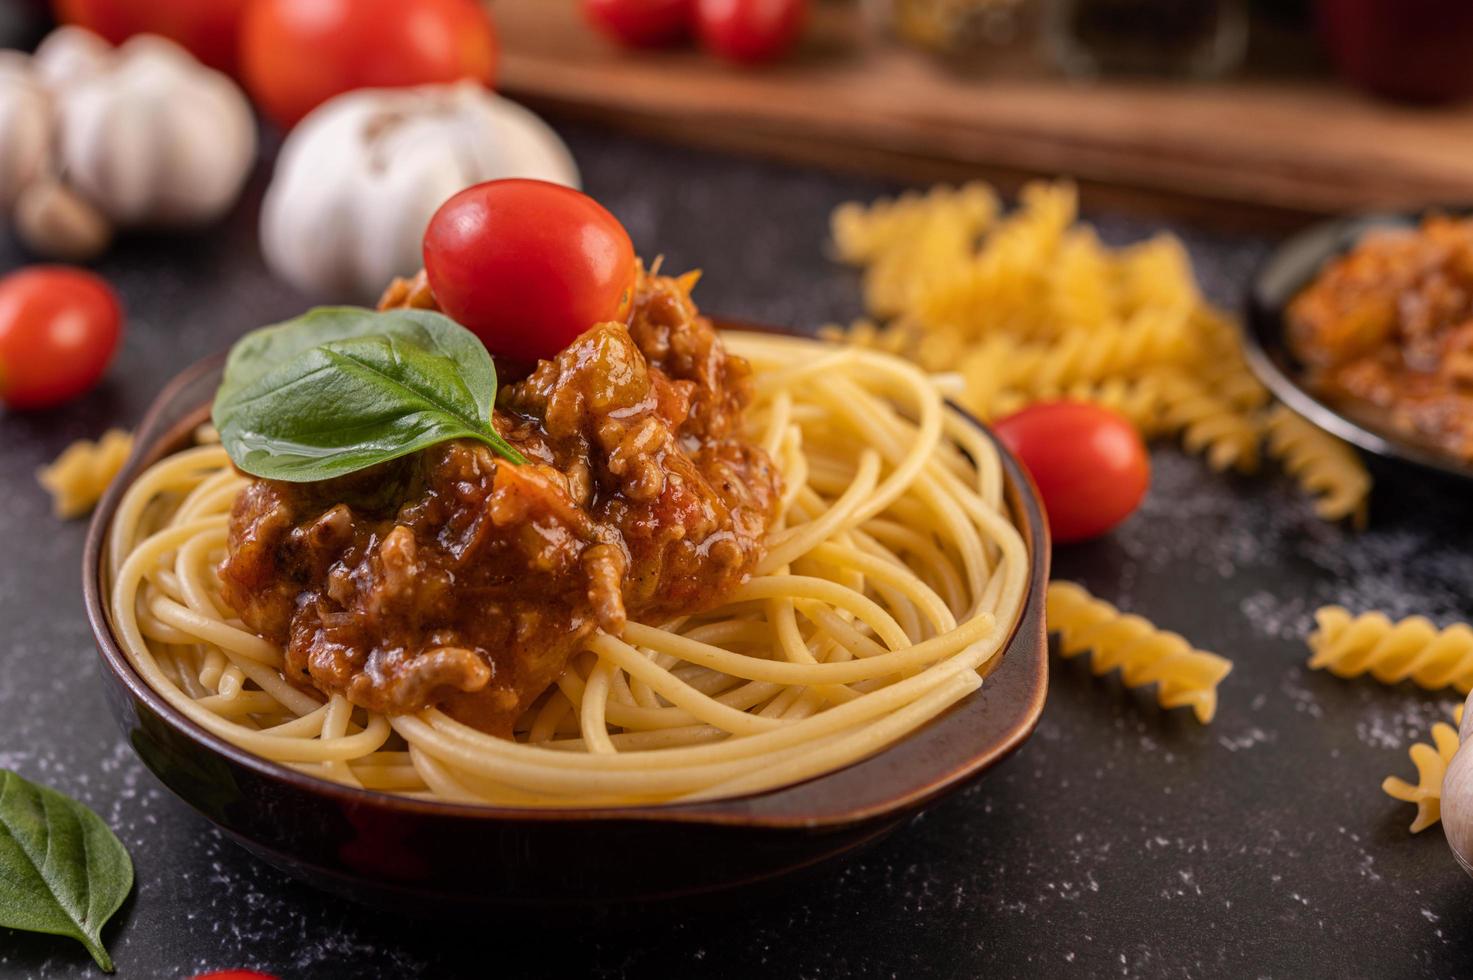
{"x": 850, "y": 101}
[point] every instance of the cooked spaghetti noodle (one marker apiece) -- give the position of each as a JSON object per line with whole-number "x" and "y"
{"x": 892, "y": 578}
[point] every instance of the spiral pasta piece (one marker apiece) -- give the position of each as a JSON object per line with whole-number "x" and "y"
{"x": 1030, "y": 306}
{"x": 1184, "y": 676}
{"x": 1431, "y": 760}
{"x": 1410, "y": 649}
{"x": 81, "y": 474}
{"x": 1208, "y": 424}
{"x": 1325, "y": 467}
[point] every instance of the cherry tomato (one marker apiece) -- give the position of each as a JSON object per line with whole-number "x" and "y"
{"x": 208, "y": 28}
{"x": 750, "y": 31}
{"x": 640, "y": 23}
{"x": 234, "y": 975}
{"x": 1089, "y": 463}
{"x": 59, "y": 329}
{"x": 527, "y": 265}
{"x": 297, "y": 54}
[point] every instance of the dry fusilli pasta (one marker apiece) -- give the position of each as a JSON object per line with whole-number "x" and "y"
{"x": 1411, "y": 649}
{"x": 1208, "y": 423}
{"x": 80, "y": 475}
{"x": 1030, "y": 306}
{"x": 1184, "y": 676}
{"x": 1431, "y": 761}
{"x": 1325, "y": 467}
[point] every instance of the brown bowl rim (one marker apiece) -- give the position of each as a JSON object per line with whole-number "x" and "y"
{"x": 744, "y": 810}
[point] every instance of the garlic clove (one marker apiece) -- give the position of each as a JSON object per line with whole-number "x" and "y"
{"x": 25, "y": 126}
{"x": 57, "y": 223}
{"x": 1465, "y": 728}
{"x": 69, "y": 54}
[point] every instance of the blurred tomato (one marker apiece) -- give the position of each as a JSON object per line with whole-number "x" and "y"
{"x": 750, "y": 31}
{"x": 297, "y": 54}
{"x": 527, "y": 266}
{"x": 208, "y": 28}
{"x": 59, "y": 329}
{"x": 640, "y": 23}
{"x": 1088, "y": 462}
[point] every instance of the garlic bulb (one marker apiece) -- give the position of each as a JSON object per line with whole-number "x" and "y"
{"x": 1457, "y": 794}
{"x": 358, "y": 179}
{"x": 146, "y": 133}
{"x": 25, "y": 126}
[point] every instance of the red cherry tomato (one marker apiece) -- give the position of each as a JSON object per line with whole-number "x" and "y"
{"x": 208, "y": 28}
{"x": 59, "y": 329}
{"x": 234, "y": 975}
{"x": 640, "y": 23}
{"x": 1089, "y": 463}
{"x": 750, "y": 31}
{"x": 527, "y": 266}
{"x": 296, "y": 54}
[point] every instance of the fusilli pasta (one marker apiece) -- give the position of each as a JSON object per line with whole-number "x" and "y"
{"x": 1183, "y": 676}
{"x": 80, "y": 475}
{"x": 1431, "y": 761}
{"x": 1030, "y": 306}
{"x": 1410, "y": 649}
{"x": 1325, "y": 467}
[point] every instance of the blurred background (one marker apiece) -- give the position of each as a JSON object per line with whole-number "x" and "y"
{"x": 216, "y": 165}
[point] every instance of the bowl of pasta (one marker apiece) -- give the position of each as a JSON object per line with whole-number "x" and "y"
{"x": 826, "y": 611}
{"x": 1359, "y": 325}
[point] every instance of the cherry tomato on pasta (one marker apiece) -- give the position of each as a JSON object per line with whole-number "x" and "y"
{"x": 640, "y": 23}
{"x": 750, "y": 31}
{"x": 207, "y": 28}
{"x": 527, "y": 266}
{"x": 59, "y": 329}
{"x": 1089, "y": 463}
{"x": 296, "y": 55}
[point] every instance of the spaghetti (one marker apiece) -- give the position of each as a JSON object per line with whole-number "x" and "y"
{"x": 892, "y": 577}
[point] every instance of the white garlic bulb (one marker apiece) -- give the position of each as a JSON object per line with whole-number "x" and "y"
{"x": 144, "y": 131}
{"x": 358, "y": 179}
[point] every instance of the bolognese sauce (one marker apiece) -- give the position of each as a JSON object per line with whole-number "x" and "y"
{"x": 454, "y": 578}
{"x": 1391, "y": 323}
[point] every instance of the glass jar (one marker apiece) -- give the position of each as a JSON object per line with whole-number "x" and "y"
{"x": 1170, "y": 38}
{"x": 957, "y": 27}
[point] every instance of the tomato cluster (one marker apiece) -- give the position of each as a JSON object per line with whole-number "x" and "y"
{"x": 744, "y": 31}
{"x": 292, "y": 56}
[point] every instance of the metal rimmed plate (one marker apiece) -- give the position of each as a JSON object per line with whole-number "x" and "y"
{"x": 1291, "y": 267}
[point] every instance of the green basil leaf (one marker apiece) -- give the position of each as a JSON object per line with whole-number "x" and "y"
{"x": 61, "y": 870}
{"x": 341, "y": 389}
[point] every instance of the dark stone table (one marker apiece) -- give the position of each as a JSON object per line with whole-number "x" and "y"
{"x": 1121, "y": 840}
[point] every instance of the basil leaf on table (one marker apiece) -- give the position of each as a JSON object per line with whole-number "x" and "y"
{"x": 62, "y": 871}
{"x": 341, "y": 389}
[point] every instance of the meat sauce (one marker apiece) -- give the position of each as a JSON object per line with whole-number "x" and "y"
{"x": 1391, "y": 323}
{"x": 454, "y": 578}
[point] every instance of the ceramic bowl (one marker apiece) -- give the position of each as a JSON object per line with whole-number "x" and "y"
{"x": 1291, "y": 267}
{"x": 439, "y": 858}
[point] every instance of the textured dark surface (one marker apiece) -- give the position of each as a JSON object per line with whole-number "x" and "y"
{"x": 1121, "y": 840}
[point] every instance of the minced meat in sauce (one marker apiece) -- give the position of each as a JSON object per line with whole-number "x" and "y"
{"x": 1391, "y": 323}
{"x": 455, "y": 578}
